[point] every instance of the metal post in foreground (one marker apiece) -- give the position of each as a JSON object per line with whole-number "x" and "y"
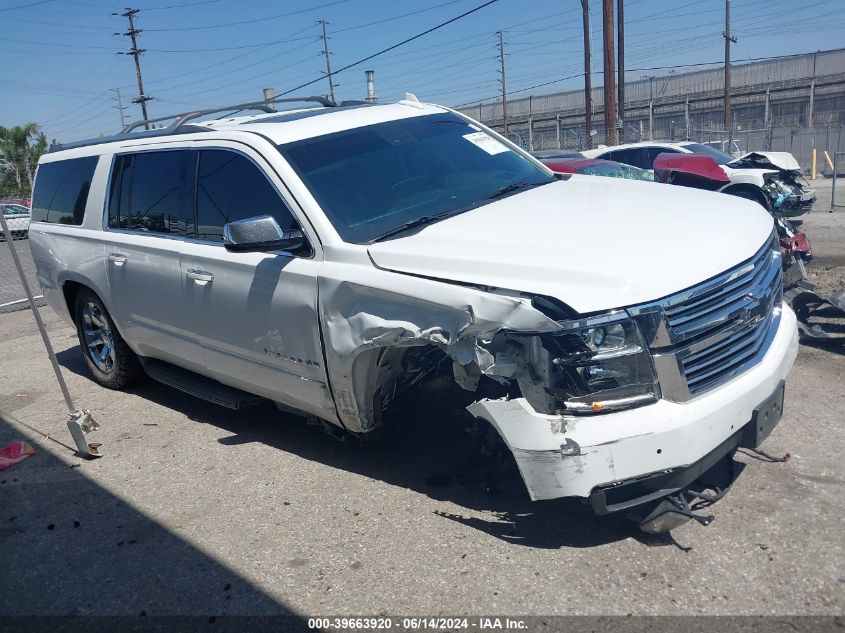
{"x": 79, "y": 421}
{"x": 833, "y": 204}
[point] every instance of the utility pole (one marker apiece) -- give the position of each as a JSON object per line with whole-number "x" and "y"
{"x": 650, "y": 106}
{"x": 588, "y": 87}
{"x": 120, "y": 107}
{"x": 328, "y": 61}
{"x": 609, "y": 76}
{"x": 620, "y": 55}
{"x": 812, "y": 93}
{"x": 728, "y": 39}
{"x": 136, "y": 53}
{"x": 504, "y": 84}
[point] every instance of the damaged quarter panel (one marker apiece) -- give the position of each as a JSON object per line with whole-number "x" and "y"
{"x": 366, "y": 311}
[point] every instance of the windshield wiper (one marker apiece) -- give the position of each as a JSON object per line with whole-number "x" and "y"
{"x": 517, "y": 186}
{"x": 425, "y": 219}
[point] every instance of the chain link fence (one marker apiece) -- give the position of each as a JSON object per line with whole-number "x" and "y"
{"x": 12, "y": 294}
{"x": 538, "y": 134}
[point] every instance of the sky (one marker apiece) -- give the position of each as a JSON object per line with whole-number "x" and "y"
{"x": 60, "y": 67}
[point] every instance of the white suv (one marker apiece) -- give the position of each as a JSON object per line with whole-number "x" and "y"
{"x": 328, "y": 259}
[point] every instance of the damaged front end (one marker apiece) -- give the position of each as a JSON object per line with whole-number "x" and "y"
{"x": 788, "y": 190}
{"x": 586, "y": 403}
{"x": 592, "y": 365}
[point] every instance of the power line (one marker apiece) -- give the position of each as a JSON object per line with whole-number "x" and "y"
{"x": 251, "y": 21}
{"x": 179, "y": 6}
{"x": 6, "y": 39}
{"x": 24, "y": 6}
{"x": 390, "y": 48}
{"x": 397, "y": 17}
{"x": 228, "y": 85}
{"x": 274, "y": 56}
{"x": 151, "y": 50}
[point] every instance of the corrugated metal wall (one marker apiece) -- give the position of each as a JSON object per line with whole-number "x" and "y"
{"x": 679, "y": 84}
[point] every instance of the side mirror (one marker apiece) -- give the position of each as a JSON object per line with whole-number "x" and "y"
{"x": 261, "y": 233}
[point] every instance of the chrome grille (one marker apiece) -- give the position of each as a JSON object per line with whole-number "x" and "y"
{"x": 706, "y": 335}
{"x": 718, "y": 362}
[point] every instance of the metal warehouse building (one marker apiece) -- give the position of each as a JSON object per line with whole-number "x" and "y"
{"x": 793, "y": 103}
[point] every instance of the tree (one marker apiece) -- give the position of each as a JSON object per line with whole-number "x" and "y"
{"x": 20, "y": 148}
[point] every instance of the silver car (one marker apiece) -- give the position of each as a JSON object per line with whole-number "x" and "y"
{"x": 17, "y": 218}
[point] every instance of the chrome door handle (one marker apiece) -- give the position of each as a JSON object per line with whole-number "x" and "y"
{"x": 201, "y": 277}
{"x": 117, "y": 258}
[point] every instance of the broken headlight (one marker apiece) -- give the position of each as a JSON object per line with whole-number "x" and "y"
{"x": 601, "y": 364}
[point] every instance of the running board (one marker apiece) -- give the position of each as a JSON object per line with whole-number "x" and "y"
{"x": 199, "y": 386}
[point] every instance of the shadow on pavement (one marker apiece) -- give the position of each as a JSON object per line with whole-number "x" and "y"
{"x": 72, "y": 548}
{"x": 433, "y": 456}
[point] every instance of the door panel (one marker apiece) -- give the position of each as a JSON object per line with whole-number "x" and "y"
{"x": 254, "y": 314}
{"x": 150, "y": 212}
{"x": 256, "y": 320}
{"x": 145, "y": 286}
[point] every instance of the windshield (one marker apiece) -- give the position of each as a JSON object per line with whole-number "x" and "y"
{"x": 616, "y": 170}
{"x": 720, "y": 157}
{"x": 14, "y": 209}
{"x": 373, "y": 180}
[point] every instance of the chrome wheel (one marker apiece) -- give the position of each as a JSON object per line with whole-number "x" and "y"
{"x": 98, "y": 337}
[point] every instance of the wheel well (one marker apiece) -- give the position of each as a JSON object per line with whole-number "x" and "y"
{"x": 70, "y": 289}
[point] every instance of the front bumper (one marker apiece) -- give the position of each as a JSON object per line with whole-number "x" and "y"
{"x": 565, "y": 456}
{"x": 800, "y": 204}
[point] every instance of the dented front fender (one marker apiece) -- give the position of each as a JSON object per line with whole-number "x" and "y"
{"x": 365, "y": 311}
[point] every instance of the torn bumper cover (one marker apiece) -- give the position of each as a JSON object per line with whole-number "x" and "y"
{"x": 562, "y": 455}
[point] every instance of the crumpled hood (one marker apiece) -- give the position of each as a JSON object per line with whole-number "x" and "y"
{"x": 779, "y": 160}
{"x": 594, "y": 243}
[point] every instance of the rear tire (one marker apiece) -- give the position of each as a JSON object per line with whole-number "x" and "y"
{"x": 113, "y": 364}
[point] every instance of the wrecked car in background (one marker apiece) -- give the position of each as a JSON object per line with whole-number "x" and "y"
{"x": 338, "y": 257}
{"x": 596, "y": 167}
{"x": 773, "y": 179}
{"x": 789, "y": 192}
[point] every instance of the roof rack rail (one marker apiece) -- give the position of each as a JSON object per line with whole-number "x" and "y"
{"x": 179, "y": 121}
{"x": 263, "y": 106}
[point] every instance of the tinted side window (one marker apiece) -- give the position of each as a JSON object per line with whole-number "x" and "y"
{"x": 653, "y": 152}
{"x": 635, "y": 156}
{"x": 231, "y": 187}
{"x": 153, "y": 192}
{"x": 61, "y": 190}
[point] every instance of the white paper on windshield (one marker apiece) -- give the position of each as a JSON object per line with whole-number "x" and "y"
{"x": 486, "y": 142}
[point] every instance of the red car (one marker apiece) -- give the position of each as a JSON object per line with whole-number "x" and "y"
{"x": 686, "y": 170}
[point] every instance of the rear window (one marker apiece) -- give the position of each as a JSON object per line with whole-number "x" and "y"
{"x": 153, "y": 192}
{"x": 61, "y": 190}
{"x": 720, "y": 157}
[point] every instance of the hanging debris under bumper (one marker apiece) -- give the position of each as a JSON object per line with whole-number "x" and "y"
{"x": 563, "y": 456}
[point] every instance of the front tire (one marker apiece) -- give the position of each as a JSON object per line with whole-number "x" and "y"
{"x": 113, "y": 364}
